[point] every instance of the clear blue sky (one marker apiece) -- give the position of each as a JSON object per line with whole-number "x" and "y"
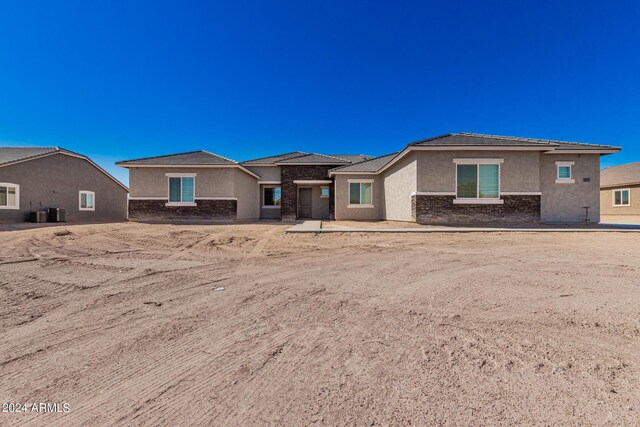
{"x": 123, "y": 79}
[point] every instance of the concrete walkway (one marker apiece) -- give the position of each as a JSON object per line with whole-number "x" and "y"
{"x": 306, "y": 227}
{"x": 316, "y": 227}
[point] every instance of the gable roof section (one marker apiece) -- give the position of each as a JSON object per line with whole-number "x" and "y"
{"x": 198, "y": 158}
{"x": 372, "y": 165}
{"x": 476, "y": 141}
{"x": 353, "y": 158}
{"x": 299, "y": 157}
{"x": 462, "y": 139}
{"x": 190, "y": 158}
{"x": 615, "y": 176}
{"x": 583, "y": 146}
{"x": 271, "y": 160}
{"x": 13, "y": 155}
{"x": 314, "y": 159}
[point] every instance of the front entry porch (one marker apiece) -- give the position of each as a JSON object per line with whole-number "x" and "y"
{"x": 313, "y": 199}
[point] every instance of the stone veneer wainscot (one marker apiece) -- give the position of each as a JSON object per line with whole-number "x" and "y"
{"x": 441, "y": 210}
{"x": 145, "y": 210}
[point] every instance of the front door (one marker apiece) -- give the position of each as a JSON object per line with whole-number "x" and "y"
{"x": 304, "y": 202}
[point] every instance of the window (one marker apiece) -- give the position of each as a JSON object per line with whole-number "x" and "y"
{"x": 478, "y": 181}
{"x": 182, "y": 190}
{"x": 564, "y": 173}
{"x": 9, "y": 196}
{"x": 361, "y": 193}
{"x": 622, "y": 197}
{"x": 324, "y": 192}
{"x": 87, "y": 201}
{"x": 272, "y": 197}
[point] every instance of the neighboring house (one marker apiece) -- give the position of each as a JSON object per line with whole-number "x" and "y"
{"x": 453, "y": 178}
{"x": 37, "y": 178}
{"x": 620, "y": 190}
{"x": 203, "y": 185}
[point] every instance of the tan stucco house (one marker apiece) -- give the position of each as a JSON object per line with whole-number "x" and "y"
{"x": 37, "y": 178}
{"x": 453, "y": 178}
{"x": 620, "y": 191}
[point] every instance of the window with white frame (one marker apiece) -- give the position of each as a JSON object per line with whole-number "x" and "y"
{"x": 182, "y": 189}
{"x": 361, "y": 193}
{"x": 324, "y": 192}
{"x": 622, "y": 197}
{"x": 477, "y": 179}
{"x": 271, "y": 196}
{"x": 564, "y": 172}
{"x": 9, "y": 196}
{"x": 87, "y": 201}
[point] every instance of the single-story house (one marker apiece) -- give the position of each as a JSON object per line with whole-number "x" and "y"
{"x": 203, "y": 185}
{"x": 620, "y": 190}
{"x": 38, "y": 178}
{"x": 453, "y": 178}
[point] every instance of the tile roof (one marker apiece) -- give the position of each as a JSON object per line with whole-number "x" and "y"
{"x": 273, "y": 159}
{"x": 308, "y": 158}
{"x": 200, "y": 157}
{"x": 371, "y": 165}
{"x": 353, "y": 158}
{"x": 315, "y": 159}
{"x": 476, "y": 139}
{"x": 620, "y": 175}
{"x": 14, "y": 154}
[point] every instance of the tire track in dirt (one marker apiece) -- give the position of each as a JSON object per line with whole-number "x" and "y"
{"x": 247, "y": 355}
{"x": 185, "y": 361}
{"x": 178, "y": 354}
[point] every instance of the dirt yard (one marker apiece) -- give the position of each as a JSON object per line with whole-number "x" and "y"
{"x": 123, "y": 322}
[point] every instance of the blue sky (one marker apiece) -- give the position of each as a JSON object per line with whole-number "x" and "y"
{"x": 124, "y": 79}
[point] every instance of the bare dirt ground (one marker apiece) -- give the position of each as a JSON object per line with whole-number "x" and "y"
{"x": 122, "y": 322}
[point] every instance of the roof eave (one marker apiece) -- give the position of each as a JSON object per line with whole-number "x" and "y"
{"x": 584, "y": 151}
{"x": 338, "y": 172}
{"x": 183, "y": 165}
{"x": 207, "y": 166}
{"x": 509, "y": 147}
{"x": 312, "y": 164}
{"x": 626, "y": 184}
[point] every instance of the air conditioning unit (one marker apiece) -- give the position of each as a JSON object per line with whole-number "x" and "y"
{"x": 38, "y": 216}
{"x": 56, "y": 214}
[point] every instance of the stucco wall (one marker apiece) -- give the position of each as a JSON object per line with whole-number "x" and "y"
{"x": 55, "y": 181}
{"x": 520, "y": 170}
{"x": 266, "y": 173}
{"x": 565, "y": 202}
{"x": 606, "y": 201}
{"x": 343, "y": 212}
{"x": 209, "y": 182}
{"x": 399, "y": 181}
{"x": 246, "y": 190}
